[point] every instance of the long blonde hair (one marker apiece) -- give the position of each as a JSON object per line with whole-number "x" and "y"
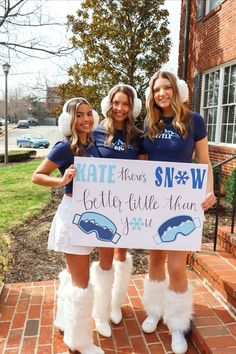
{"x": 75, "y": 143}
{"x": 108, "y": 123}
{"x": 154, "y": 123}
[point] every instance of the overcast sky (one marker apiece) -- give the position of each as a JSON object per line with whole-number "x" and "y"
{"x": 31, "y": 72}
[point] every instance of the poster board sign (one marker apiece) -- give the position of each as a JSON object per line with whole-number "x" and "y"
{"x": 138, "y": 204}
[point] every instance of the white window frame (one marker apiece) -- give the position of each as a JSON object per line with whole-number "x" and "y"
{"x": 221, "y": 68}
{"x": 209, "y": 2}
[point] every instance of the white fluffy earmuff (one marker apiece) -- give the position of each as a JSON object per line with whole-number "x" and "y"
{"x": 64, "y": 120}
{"x": 182, "y": 87}
{"x": 105, "y": 104}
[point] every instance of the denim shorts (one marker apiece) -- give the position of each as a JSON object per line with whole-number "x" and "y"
{"x": 60, "y": 231}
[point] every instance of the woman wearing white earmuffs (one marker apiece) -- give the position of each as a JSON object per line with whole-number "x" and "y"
{"x": 75, "y": 292}
{"x": 172, "y": 133}
{"x": 116, "y": 137}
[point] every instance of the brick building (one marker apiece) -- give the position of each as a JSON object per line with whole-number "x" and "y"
{"x": 207, "y": 61}
{"x": 53, "y": 100}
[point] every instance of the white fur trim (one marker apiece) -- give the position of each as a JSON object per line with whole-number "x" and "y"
{"x": 95, "y": 119}
{"x": 78, "y": 318}
{"x": 178, "y": 310}
{"x": 153, "y": 296}
{"x": 137, "y": 107}
{"x": 123, "y": 270}
{"x": 64, "y": 121}
{"x": 65, "y": 279}
{"x": 182, "y": 87}
{"x": 105, "y": 104}
{"x": 183, "y": 90}
{"x": 102, "y": 281}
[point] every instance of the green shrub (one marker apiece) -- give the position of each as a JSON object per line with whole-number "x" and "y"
{"x": 5, "y": 255}
{"x": 18, "y": 156}
{"x": 230, "y": 186}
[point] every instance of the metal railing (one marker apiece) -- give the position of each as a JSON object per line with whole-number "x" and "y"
{"x": 218, "y": 195}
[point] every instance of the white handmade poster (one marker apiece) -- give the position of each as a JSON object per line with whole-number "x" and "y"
{"x": 138, "y": 204}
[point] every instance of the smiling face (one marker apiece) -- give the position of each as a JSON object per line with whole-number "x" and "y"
{"x": 163, "y": 94}
{"x": 120, "y": 109}
{"x": 83, "y": 121}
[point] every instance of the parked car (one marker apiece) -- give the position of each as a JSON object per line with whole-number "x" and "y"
{"x": 22, "y": 124}
{"x": 33, "y": 121}
{"x": 32, "y": 141}
{"x": 2, "y": 121}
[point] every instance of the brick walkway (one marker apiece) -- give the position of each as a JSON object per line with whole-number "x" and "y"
{"x": 28, "y": 309}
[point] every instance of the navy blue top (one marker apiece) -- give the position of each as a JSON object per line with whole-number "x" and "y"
{"x": 62, "y": 155}
{"x": 118, "y": 148}
{"x": 169, "y": 145}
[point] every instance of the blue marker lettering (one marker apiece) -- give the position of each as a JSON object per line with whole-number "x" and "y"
{"x": 80, "y": 176}
{"x": 158, "y": 174}
{"x": 197, "y": 177}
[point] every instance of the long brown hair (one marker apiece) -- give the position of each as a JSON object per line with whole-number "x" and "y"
{"x": 154, "y": 123}
{"x": 108, "y": 123}
{"x": 75, "y": 143}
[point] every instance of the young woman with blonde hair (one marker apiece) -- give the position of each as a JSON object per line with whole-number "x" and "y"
{"x": 75, "y": 293}
{"x": 117, "y": 138}
{"x": 172, "y": 133}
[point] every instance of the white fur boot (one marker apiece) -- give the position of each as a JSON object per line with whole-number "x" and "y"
{"x": 177, "y": 315}
{"x": 123, "y": 271}
{"x": 78, "y": 320}
{"x": 64, "y": 280}
{"x": 102, "y": 281}
{"x": 153, "y": 302}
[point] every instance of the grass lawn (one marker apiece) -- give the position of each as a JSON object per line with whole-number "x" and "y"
{"x": 20, "y": 199}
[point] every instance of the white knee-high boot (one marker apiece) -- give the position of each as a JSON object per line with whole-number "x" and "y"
{"x": 123, "y": 271}
{"x": 64, "y": 280}
{"x": 78, "y": 320}
{"x": 102, "y": 281}
{"x": 153, "y": 302}
{"x": 177, "y": 315}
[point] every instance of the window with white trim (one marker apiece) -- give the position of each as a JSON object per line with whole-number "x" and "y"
{"x": 211, "y": 4}
{"x": 219, "y": 104}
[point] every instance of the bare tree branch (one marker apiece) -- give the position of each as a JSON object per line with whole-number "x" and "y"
{"x": 17, "y": 19}
{"x": 14, "y": 46}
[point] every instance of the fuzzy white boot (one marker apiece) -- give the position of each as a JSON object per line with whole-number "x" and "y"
{"x": 153, "y": 302}
{"x": 177, "y": 315}
{"x": 78, "y": 320}
{"x": 123, "y": 271}
{"x": 64, "y": 280}
{"x": 102, "y": 281}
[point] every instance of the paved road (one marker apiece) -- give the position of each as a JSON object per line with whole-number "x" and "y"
{"x": 49, "y": 132}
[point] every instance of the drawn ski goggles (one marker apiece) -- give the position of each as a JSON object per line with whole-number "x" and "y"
{"x": 103, "y": 227}
{"x": 178, "y": 225}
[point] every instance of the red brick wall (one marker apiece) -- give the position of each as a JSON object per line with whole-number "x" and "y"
{"x": 211, "y": 42}
{"x": 221, "y": 153}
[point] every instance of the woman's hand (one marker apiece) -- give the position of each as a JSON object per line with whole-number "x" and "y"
{"x": 69, "y": 174}
{"x": 208, "y": 201}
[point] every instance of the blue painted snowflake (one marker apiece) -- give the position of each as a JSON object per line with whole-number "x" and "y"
{"x": 181, "y": 177}
{"x": 136, "y": 224}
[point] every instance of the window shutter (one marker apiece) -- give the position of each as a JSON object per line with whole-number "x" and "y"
{"x": 196, "y": 92}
